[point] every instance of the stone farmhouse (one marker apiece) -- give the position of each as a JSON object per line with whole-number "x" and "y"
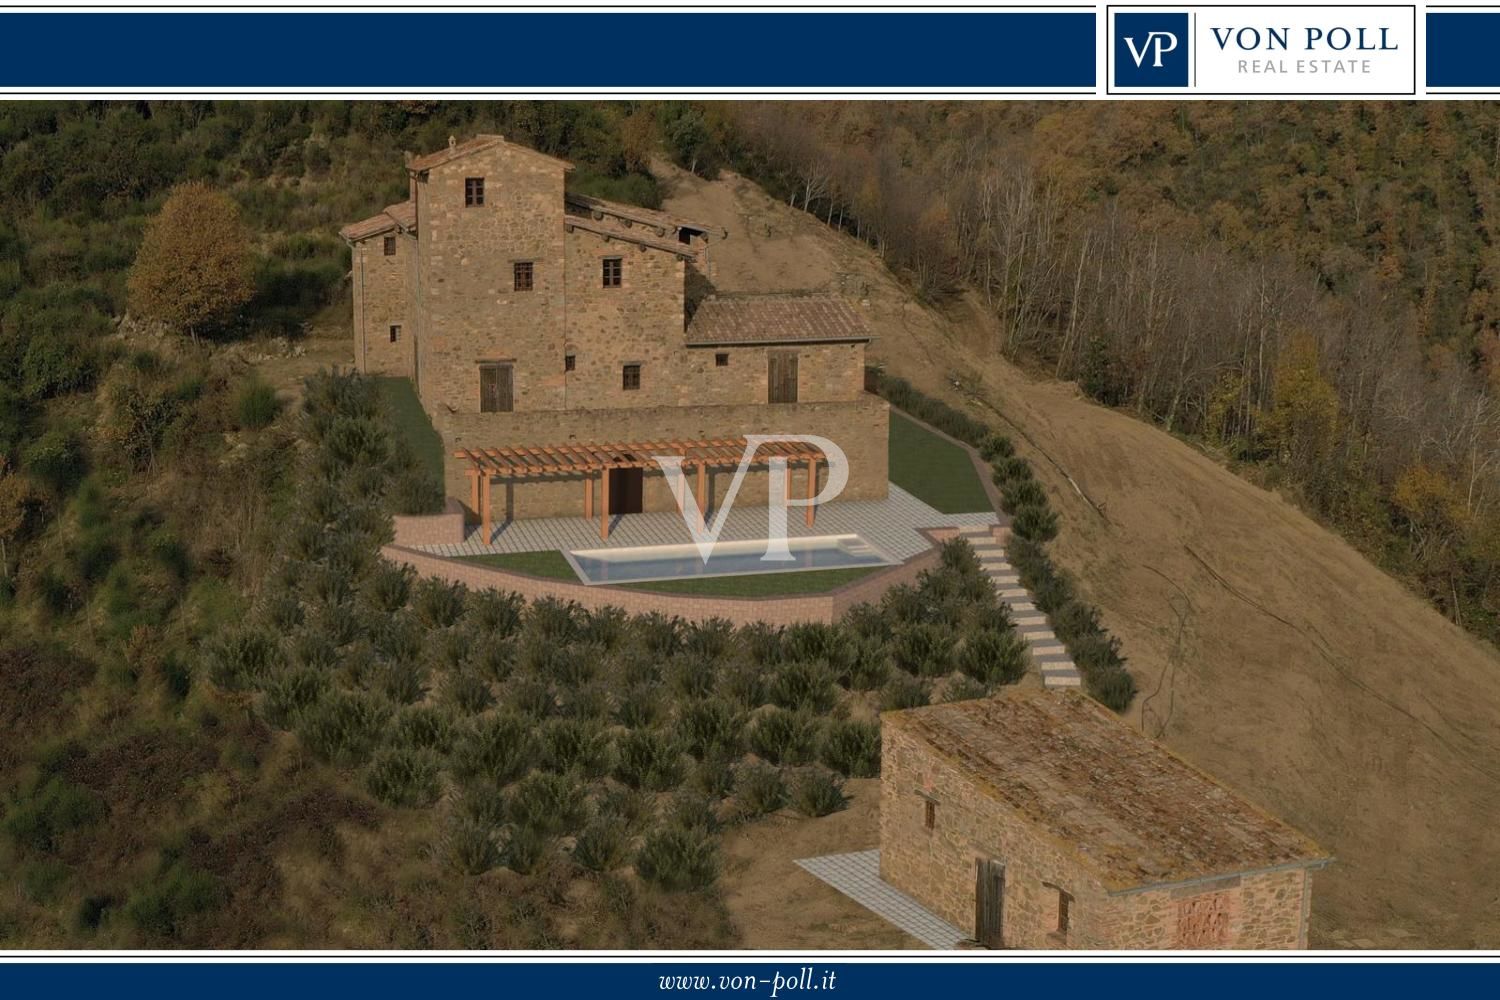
{"x": 1043, "y": 821}
{"x": 559, "y": 342}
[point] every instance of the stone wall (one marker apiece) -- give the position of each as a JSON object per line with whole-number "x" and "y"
{"x": 639, "y": 322}
{"x": 938, "y": 866}
{"x": 380, "y": 301}
{"x": 859, "y": 427}
{"x": 447, "y": 528}
{"x": 471, "y": 310}
{"x": 776, "y": 611}
{"x": 825, "y": 373}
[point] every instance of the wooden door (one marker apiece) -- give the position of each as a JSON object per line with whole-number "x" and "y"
{"x": 496, "y": 389}
{"x": 627, "y": 491}
{"x": 781, "y": 377}
{"x": 989, "y": 903}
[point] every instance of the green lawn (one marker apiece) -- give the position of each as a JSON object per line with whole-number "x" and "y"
{"x": 816, "y": 581}
{"x": 934, "y": 470}
{"x": 812, "y": 581}
{"x": 550, "y": 564}
{"x": 400, "y": 398}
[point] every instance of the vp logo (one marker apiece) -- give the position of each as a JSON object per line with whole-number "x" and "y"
{"x": 1150, "y": 50}
{"x": 1157, "y": 42}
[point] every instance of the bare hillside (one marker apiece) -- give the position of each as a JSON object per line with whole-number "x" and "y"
{"x": 1269, "y": 651}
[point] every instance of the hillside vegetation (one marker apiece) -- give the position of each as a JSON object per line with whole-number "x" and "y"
{"x": 1309, "y": 289}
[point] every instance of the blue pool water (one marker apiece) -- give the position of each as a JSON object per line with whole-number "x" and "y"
{"x": 677, "y": 562}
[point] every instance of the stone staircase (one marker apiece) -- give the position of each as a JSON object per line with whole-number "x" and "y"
{"x": 1047, "y": 652}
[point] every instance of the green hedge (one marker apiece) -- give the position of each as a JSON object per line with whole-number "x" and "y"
{"x": 1033, "y": 523}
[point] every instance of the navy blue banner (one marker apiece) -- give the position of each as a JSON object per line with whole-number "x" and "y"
{"x": 689, "y": 50}
{"x": 1463, "y": 49}
{"x": 791, "y": 979}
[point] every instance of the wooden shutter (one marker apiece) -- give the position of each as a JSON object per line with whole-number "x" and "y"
{"x": 781, "y": 377}
{"x": 496, "y": 389}
{"x": 989, "y": 902}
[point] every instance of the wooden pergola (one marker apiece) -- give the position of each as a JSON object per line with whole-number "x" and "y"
{"x": 591, "y": 460}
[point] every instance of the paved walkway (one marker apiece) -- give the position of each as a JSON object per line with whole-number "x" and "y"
{"x": 890, "y": 525}
{"x": 857, "y": 876}
{"x": 1047, "y": 652}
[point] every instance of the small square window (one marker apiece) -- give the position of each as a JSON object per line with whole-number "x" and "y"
{"x": 522, "y": 274}
{"x": 614, "y": 272}
{"x": 570, "y": 362}
{"x": 395, "y": 332}
{"x": 929, "y": 814}
{"x": 473, "y": 191}
{"x": 721, "y": 360}
{"x": 631, "y": 377}
{"x": 390, "y": 246}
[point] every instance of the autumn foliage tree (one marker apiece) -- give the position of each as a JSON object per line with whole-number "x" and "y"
{"x": 194, "y": 268}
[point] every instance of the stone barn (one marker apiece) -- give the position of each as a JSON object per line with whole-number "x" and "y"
{"x": 1041, "y": 820}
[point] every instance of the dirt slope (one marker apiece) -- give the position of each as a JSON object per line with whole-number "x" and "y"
{"x": 1270, "y": 652}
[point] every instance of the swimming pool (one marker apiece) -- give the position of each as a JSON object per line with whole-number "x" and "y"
{"x": 676, "y": 562}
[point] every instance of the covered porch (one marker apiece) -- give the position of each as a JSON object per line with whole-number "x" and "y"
{"x": 615, "y": 471}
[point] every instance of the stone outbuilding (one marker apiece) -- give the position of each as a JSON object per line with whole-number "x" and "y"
{"x": 1041, "y": 820}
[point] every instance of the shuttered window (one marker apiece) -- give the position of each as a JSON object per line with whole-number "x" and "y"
{"x": 781, "y": 377}
{"x": 473, "y": 191}
{"x": 496, "y": 389}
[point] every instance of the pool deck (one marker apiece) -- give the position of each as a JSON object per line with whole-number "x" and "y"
{"x": 892, "y": 525}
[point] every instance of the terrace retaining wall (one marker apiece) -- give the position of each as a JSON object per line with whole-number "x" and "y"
{"x": 826, "y": 607}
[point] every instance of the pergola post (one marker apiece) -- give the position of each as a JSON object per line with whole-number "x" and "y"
{"x": 474, "y": 490}
{"x": 588, "y": 496}
{"x": 812, "y": 487}
{"x": 484, "y": 507}
{"x": 604, "y": 504}
{"x": 702, "y": 493}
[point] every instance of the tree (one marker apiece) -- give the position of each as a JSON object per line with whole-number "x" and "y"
{"x": 194, "y": 268}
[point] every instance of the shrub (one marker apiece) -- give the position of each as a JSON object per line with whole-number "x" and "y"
{"x": 341, "y": 726}
{"x": 603, "y": 627}
{"x": 603, "y": 846}
{"x": 38, "y": 820}
{"x": 640, "y": 707}
{"x": 959, "y": 557}
{"x": 525, "y": 849}
{"x": 469, "y": 846}
{"x": 762, "y": 642}
{"x": 660, "y": 635}
{"x": 1096, "y": 652}
{"x": 493, "y": 659}
{"x": 483, "y": 802}
{"x": 242, "y": 657}
{"x": 678, "y": 860}
{"x": 809, "y": 641}
{"x": 495, "y": 614}
{"x": 993, "y": 657}
{"x": 403, "y": 682}
{"x": 714, "y": 776}
{"x": 924, "y": 649}
{"x": 1076, "y": 619}
{"x": 759, "y": 790}
{"x": 1036, "y": 522}
{"x": 388, "y": 586}
{"x": 871, "y": 666}
{"x": 1023, "y": 493}
{"x": 404, "y": 776}
{"x": 692, "y": 810}
{"x": 996, "y": 446}
{"x": 1115, "y": 689}
{"x": 423, "y": 727}
{"x": 784, "y": 737}
{"x": 499, "y": 748}
{"x": 468, "y": 692}
{"x": 574, "y": 744}
{"x": 590, "y": 702}
{"x": 805, "y": 684}
{"x": 904, "y": 691}
{"x": 743, "y": 683}
{"x": 710, "y": 639}
{"x": 628, "y": 808}
{"x": 692, "y": 676}
{"x": 289, "y": 691}
{"x": 553, "y": 620}
{"x": 709, "y": 726}
{"x": 312, "y": 648}
{"x": 547, "y": 803}
{"x": 438, "y": 604}
{"x": 817, "y": 793}
{"x": 255, "y": 406}
{"x": 1011, "y": 470}
{"x": 649, "y": 759}
{"x": 531, "y": 696}
{"x": 852, "y": 748}
{"x": 171, "y": 898}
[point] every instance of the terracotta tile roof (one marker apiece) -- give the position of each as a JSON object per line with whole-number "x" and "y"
{"x": 1129, "y": 809}
{"x": 404, "y": 212}
{"x": 667, "y": 223}
{"x": 401, "y": 215}
{"x": 420, "y": 164}
{"x": 775, "y": 319}
{"x": 637, "y": 236}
